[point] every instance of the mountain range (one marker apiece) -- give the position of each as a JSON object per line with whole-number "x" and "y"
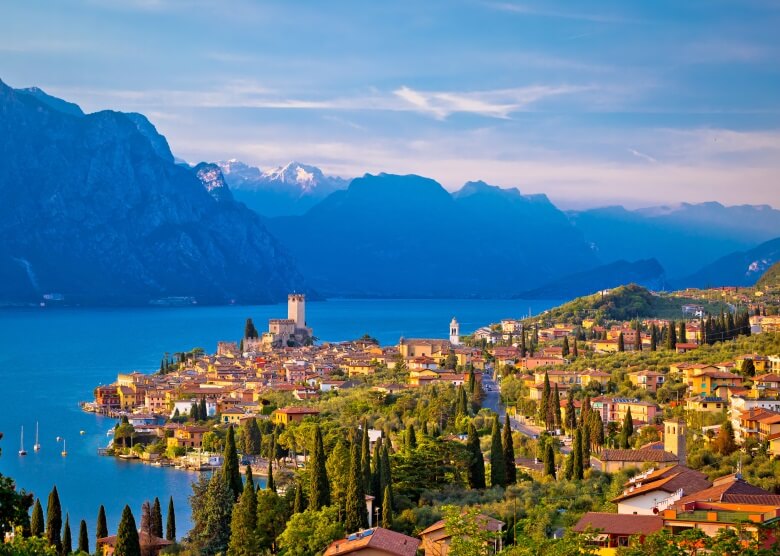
{"x": 287, "y": 190}
{"x": 97, "y": 208}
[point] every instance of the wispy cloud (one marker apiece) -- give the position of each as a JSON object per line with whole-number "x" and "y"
{"x": 643, "y": 156}
{"x": 498, "y": 103}
{"x": 527, "y": 9}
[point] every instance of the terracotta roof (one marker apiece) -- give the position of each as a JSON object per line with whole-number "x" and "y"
{"x": 145, "y": 540}
{"x": 643, "y": 454}
{"x": 378, "y": 539}
{"x": 298, "y": 410}
{"x": 730, "y": 488}
{"x": 668, "y": 479}
{"x": 619, "y": 524}
{"x": 486, "y": 521}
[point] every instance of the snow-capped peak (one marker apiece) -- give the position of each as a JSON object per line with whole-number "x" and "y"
{"x": 294, "y": 173}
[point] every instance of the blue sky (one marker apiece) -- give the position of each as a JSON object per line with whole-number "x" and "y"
{"x": 593, "y": 103}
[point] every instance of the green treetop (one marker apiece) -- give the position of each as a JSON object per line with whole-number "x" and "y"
{"x": 319, "y": 487}
{"x": 54, "y": 520}
{"x": 497, "y": 462}
{"x": 476, "y": 466}
{"x": 230, "y": 470}
{"x": 508, "y": 445}
{"x": 127, "y": 541}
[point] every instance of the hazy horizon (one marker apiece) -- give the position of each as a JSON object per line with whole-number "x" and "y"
{"x": 600, "y": 104}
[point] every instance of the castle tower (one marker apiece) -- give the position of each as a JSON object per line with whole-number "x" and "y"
{"x": 296, "y": 309}
{"x": 674, "y": 439}
{"x": 454, "y": 332}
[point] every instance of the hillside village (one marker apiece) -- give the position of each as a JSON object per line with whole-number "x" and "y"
{"x": 675, "y": 424}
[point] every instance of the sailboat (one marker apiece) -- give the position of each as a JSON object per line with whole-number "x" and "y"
{"x": 22, "y": 451}
{"x": 37, "y": 445}
{"x": 64, "y": 451}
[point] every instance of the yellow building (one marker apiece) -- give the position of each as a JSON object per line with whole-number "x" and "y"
{"x": 709, "y": 381}
{"x": 287, "y": 415}
{"x": 705, "y": 404}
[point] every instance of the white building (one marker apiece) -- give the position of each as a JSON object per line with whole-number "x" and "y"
{"x": 454, "y": 332}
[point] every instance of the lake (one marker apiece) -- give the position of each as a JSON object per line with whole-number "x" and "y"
{"x": 52, "y": 358}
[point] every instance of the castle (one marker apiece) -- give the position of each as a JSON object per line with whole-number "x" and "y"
{"x": 291, "y": 331}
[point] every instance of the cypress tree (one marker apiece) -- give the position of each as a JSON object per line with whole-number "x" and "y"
{"x": 576, "y": 452}
{"x": 203, "y": 413}
{"x": 571, "y": 412}
{"x": 54, "y": 520}
{"x": 319, "y": 487}
{"x": 653, "y": 337}
{"x": 386, "y": 478}
{"x": 568, "y": 469}
{"x": 387, "y": 510}
{"x": 83, "y": 545}
{"x": 544, "y": 403}
{"x": 127, "y": 541}
{"x": 249, "y": 329}
{"x": 157, "y": 524}
{"x": 476, "y": 468}
{"x": 170, "y": 524}
{"x": 248, "y": 478}
{"x": 556, "y": 408}
{"x": 621, "y": 345}
{"x": 67, "y": 540}
{"x": 638, "y": 337}
{"x": 565, "y": 348}
{"x": 36, "y": 521}
{"x": 194, "y": 411}
{"x": 230, "y": 470}
{"x": 365, "y": 459}
{"x": 355, "y": 517}
{"x": 596, "y": 429}
{"x": 411, "y": 439}
{"x": 509, "y": 452}
{"x": 575, "y": 352}
{"x": 376, "y": 469}
{"x": 298, "y": 502}
{"x": 671, "y": 336}
{"x": 586, "y": 445}
{"x": 497, "y": 462}
{"x": 253, "y": 438}
{"x": 101, "y": 528}
{"x": 269, "y": 482}
{"x": 523, "y": 350}
{"x": 627, "y": 430}
{"x": 682, "y": 336}
{"x": 243, "y": 522}
{"x": 472, "y": 383}
{"x": 549, "y": 461}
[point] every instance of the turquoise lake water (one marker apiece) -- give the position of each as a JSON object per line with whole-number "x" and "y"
{"x": 52, "y": 358}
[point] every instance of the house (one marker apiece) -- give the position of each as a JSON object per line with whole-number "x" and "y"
{"x": 151, "y": 545}
{"x": 657, "y": 489}
{"x": 287, "y": 415}
{"x": 232, "y": 416}
{"x": 705, "y": 404}
{"x": 374, "y": 542}
{"x": 730, "y": 502}
{"x": 671, "y": 453}
{"x": 741, "y": 405}
{"x": 436, "y": 540}
{"x": 615, "y": 530}
{"x": 708, "y": 381}
{"x": 190, "y": 436}
{"x": 647, "y": 380}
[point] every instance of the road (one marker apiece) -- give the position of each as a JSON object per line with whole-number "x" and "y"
{"x": 492, "y": 401}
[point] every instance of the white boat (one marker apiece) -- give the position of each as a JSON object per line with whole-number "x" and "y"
{"x": 64, "y": 451}
{"x": 22, "y": 451}
{"x": 37, "y": 445}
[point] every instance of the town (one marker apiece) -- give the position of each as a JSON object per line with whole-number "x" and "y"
{"x": 671, "y": 427}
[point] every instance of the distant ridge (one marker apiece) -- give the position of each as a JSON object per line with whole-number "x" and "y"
{"x": 648, "y": 273}
{"x": 742, "y": 268}
{"x": 96, "y": 211}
